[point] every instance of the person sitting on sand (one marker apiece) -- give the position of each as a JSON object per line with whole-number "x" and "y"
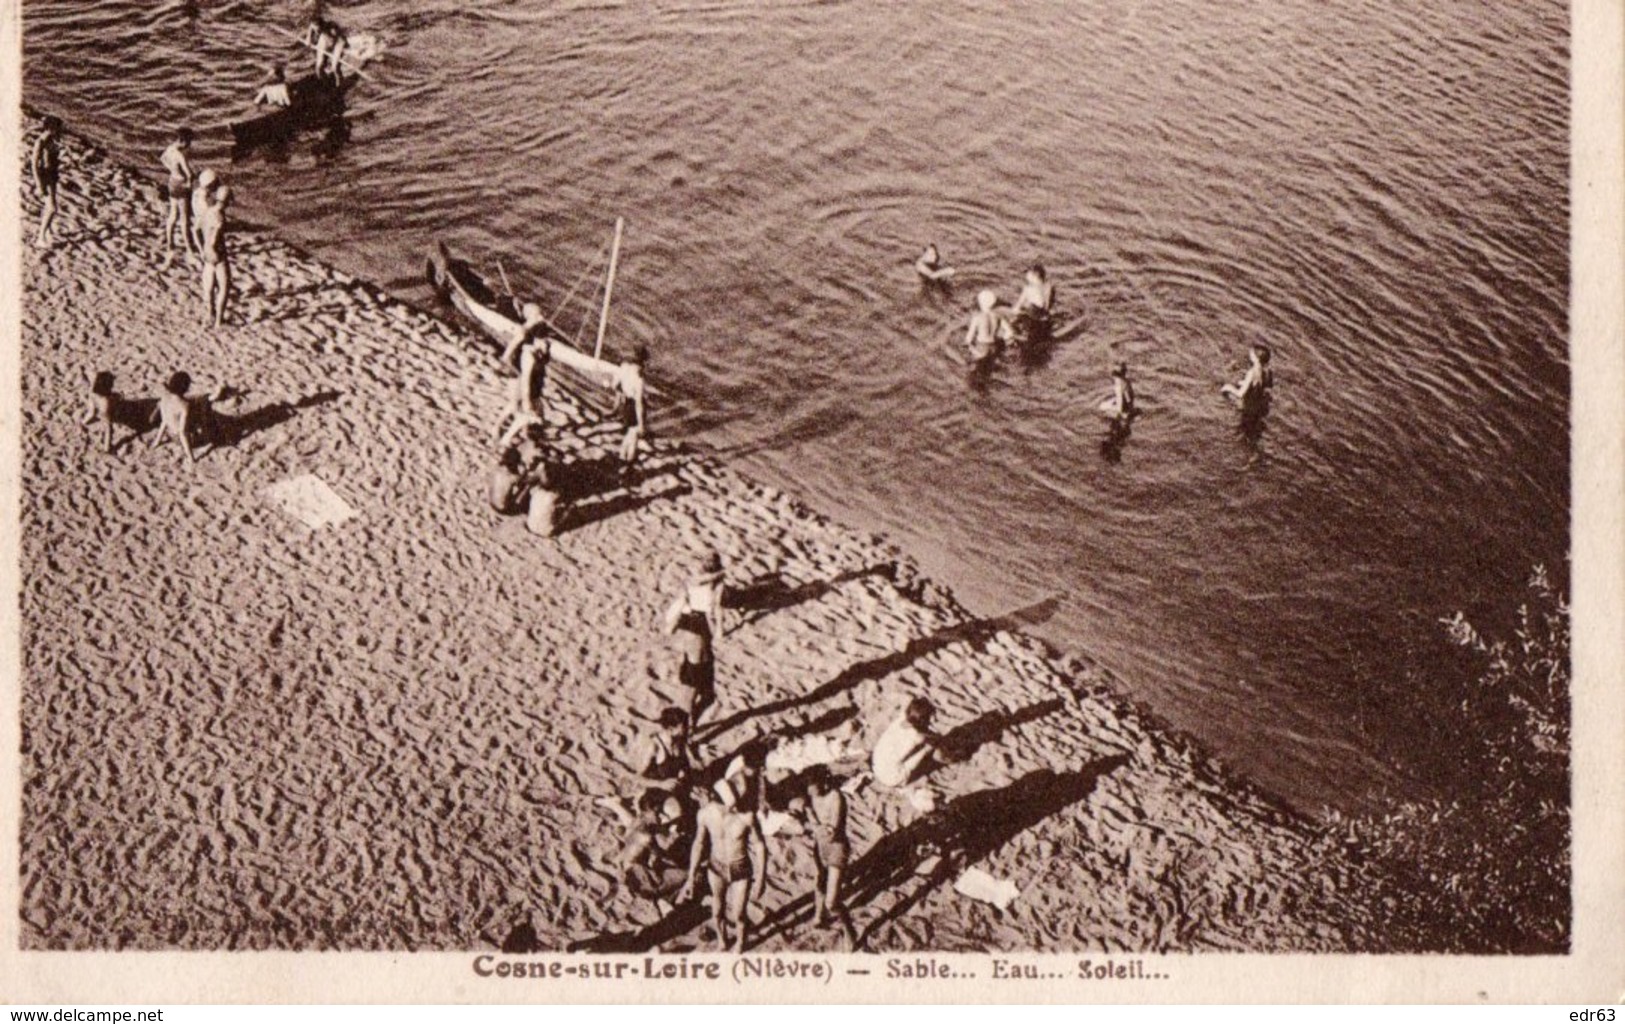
{"x": 694, "y": 619}
{"x": 179, "y": 191}
{"x": 1120, "y": 406}
{"x": 929, "y": 265}
{"x": 652, "y": 859}
{"x": 663, "y": 753}
{"x": 728, "y": 840}
{"x": 216, "y": 265}
{"x": 46, "y": 166}
{"x": 987, "y": 327}
{"x": 824, "y": 815}
{"x": 630, "y": 407}
{"x": 176, "y": 416}
{"x": 275, "y": 92}
{"x": 511, "y": 482}
{"x": 1256, "y": 383}
{"x": 901, "y": 757}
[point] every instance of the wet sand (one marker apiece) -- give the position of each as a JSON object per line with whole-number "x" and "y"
{"x": 242, "y": 732}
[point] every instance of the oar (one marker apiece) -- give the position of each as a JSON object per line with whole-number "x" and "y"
{"x": 296, "y": 37}
{"x": 504, "y": 274}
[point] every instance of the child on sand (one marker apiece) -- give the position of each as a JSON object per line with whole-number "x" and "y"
{"x": 178, "y": 189}
{"x": 103, "y": 401}
{"x": 46, "y": 166}
{"x": 824, "y": 816}
{"x": 175, "y": 414}
{"x": 902, "y": 755}
{"x": 508, "y": 489}
{"x": 631, "y": 409}
{"x": 652, "y": 859}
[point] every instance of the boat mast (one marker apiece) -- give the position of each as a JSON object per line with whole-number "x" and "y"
{"x": 609, "y": 287}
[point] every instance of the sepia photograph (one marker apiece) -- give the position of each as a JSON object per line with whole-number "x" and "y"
{"x": 666, "y": 487}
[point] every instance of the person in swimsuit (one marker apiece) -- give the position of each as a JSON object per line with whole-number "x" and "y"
{"x": 1120, "y": 406}
{"x": 216, "y": 265}
{"x": 1255, "y": 385}
{"x": 901, "y": 757}
{"x": 202, "y": 190}
{"x": 652, "y": 859}
{"x": 929, "y": 266}
{"x": 525, "y": 406}
{"x": 179, "y": 190}
{"x": 629, "y": 399}
{"x": 175, "y": 414}
{"x": 825, "y": 820}
{"x": 694, "y": 619}
{"x": 987, "y": 328}
{"x": 275, "y": 92}
{"x": 664, "y": 753}
{"x": 104, "y": 403}
{"x": 1037, "y": 296}
{"x": 46, "y": 165}
{"x": 728, "y": 840}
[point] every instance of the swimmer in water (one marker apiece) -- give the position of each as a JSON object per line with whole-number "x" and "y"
{"x": 1037, "y": 298}
{"x": 987, "y": 328}
{"x": 1120, "y": 406}
{"x": 929, "y": 265}
{"x": 1256, "y": 383}
{"x": 274, "y": 93}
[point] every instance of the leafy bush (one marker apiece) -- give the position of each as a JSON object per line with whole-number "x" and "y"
{"x": 1488, "y": 870}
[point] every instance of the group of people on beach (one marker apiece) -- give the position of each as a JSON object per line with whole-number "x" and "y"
{"x": 196, "y": 211}
{"x": 694, "y": 822}
{"x": 993, "y": 326}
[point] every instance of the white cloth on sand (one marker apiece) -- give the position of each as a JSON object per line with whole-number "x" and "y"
{"x": 308, "y": 499}
{"x": 979, "y": 885}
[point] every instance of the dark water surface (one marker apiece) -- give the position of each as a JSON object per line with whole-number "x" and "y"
{"x": 1378, "y": 188}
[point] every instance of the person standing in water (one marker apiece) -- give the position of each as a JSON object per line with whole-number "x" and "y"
{"x": 216, "y": 266}
{"x": 275, "y": 92}
{"x": 1256, "y": 384}
{"x": 179, "y": 191}
{"x": 1037, "y": 298}
{"x": 46, "y": 166}
{"x": 1120, "y": 406}
{"x": 929, "y": 266}
{"x": 986, "y": 328}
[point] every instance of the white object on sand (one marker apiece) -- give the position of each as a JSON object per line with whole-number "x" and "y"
{"x": 308, "y": 499}
{"x": 979, "y": 885}
{"x": 806, "y": 751}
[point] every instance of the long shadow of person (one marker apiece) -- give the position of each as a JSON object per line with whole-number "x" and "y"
{"x": 769, "y": 592}
{"x": 137, "y": 415}
{"x": 226, "y": 430}
{"x": 961, "y": 743}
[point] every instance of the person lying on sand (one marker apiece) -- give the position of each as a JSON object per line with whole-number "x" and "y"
{"x": 1120, "y": 406}
{"x": 728, "y": 840}
{"x": 929, "y": 265}
{"x": 663, "y": 753}
{"x": 275, "y": 92}
{"x": 630, "y": 408}
{"x": 652, "y": 859}
{"x": 525, "y": 406}
{"x": 824, "y": 815}
{"x": 1256, "y": 382}
{"x": 45, "y": 164}
{"x": 178, "y": 189}
{"x": 986, "y": 329}
{"x": 216, "y": 266}
{"x": 694, "y": 619}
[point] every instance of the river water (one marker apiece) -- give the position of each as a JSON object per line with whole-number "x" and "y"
{"x": 1377, "y": 188}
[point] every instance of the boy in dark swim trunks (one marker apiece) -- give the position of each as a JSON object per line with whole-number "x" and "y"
{"x": 694, "y": 620}
{"x": 729, "y": 840}
{"x": 629, "y": 395}
{"x": 46, "y": 165}
{"x": 179, "y": 190}
{"x": 825, "y": 819}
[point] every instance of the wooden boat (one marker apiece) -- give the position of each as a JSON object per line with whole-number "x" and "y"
{"x": 314, "y": 102}
{"x": 499, "y": 316}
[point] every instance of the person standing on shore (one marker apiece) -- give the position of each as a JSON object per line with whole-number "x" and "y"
{"x": 179, "y": 191}
{"x": 825, "y": 818}
{"x": 728, "y": 839}
{"x": 216, "y": 265}
{"x": 526, "y": 407}
{"x": 629, "y": 392}
{"x": 174, "y": 414}
{"x": 694, "y": 620}
{"x": 46, "y": 166}
{"x": 202, "y": 189}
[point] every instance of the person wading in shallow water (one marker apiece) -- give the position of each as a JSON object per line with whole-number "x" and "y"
{"x": 1256, "y": 384}
{"x": 694, "y": 619}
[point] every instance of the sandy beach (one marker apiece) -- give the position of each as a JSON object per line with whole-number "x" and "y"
{"x": 240, "y": 731}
